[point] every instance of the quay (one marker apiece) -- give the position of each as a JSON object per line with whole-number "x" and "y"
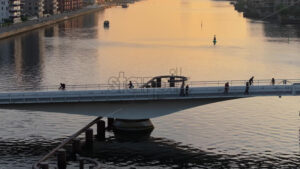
{"x": 27, "y": 26}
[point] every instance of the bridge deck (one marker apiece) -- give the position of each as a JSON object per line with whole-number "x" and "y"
{"x": 144, "y": 94}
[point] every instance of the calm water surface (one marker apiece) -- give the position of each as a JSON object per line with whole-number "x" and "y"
{"x": 155, "y": 37}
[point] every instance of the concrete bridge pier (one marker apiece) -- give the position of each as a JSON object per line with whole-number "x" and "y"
{"x": 132, "y": 129}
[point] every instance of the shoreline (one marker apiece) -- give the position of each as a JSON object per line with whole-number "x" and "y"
{"x": 6, "y": 32}
{"x": 253, "y": 14}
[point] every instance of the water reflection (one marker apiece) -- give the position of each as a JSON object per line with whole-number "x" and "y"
{"x": 21, "y": 59}
{"x": 154, "y": 153}
{"x": 281, "y": 31}
{"x": 162, "y": 152}
{"x": 81, "y": 27}
{"x": 147, "y": 39}
{"x": 23, "y": 153}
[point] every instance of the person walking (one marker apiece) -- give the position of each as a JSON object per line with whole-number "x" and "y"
{"x": 182, "y": 89}
{"x": 226, "y": 88}
{"x": 251, "y": 80}
{"x": 130, "y": 85}
{"x": 247, "y": 88}
{"x": 187, "y": 88}
{"x": 273, "y": 81}
{"x": 62, "y": 86}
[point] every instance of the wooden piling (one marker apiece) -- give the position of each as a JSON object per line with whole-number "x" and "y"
{"x": 44, "y": 165}
{"x": 61, "y": 159}
{"x": 110, "y": 123}
{"x": 81, "y": 164}
{"x": 76, "y": 147}
{"x": 89, "y": 138}
{"x": 101, "y": 130}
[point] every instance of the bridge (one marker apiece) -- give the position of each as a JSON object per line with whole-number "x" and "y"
{"x": 118, "y": 101}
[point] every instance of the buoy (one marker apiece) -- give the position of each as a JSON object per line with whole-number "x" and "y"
{"x": 106, "y": 24}
{"x": 215, "y": 40}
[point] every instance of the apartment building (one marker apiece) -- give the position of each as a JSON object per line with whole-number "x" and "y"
{"x": 69, "y": 5}
{"x": 50, "y": 7}
{"x": 92, "y": 2}
{"x": 32, "y": 7}
{"x": 10, "y": 11}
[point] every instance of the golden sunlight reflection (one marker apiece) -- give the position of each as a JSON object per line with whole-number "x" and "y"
{"x": 165, "y": 34}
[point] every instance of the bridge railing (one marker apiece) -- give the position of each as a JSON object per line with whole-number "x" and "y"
{"x": 122, "y": 86}
{"x": 142, "y": 93}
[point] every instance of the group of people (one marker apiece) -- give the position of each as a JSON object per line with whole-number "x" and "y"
{"x": 248, "y": 84}
{"x": 184, "y": 90}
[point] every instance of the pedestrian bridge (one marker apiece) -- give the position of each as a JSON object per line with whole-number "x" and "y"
{"x": 138, "y": 103}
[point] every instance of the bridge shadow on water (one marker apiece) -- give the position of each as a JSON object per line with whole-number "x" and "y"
{"x": 165, "y": 153}
{"x": 152, "y": 153}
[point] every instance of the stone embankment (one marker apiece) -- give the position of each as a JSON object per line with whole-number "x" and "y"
{"x": 19, "y": 28}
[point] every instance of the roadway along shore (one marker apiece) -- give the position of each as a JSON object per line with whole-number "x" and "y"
{"x": 19, "y": 28}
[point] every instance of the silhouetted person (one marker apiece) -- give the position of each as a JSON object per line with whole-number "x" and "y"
{"x": 284, "y": 82}
{"x": 251, "y": 80}
{"x": 187, "y": 90}
{"x": 130, "y": 85}
{"x": 247, "y": 88}
{"x": 182, "y": 89}
{"x": 226, "y": 88}
{"x": 273, "y": 81}
{"x": 62, "y": 86}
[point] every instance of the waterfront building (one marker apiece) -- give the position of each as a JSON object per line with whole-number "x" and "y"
{"x": 10, "y": 11}
{"x": 77, "y": 4}
{"x": 69, "y": 5}
{"x": 259, "y": 8}
{"x": 286, "y": 2}
{"x": 92, "y": 2}
{"x": 100, "y": 1}
{"x": 50, "y": 7}
{"x": 32, "y": 8}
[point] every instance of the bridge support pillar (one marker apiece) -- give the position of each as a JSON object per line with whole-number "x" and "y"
{"x": 101, "y": 130}
{"x": 44, "y": 165}
{"x": 61, "y": 159}
{"x": 132, "y": 129}
{"x": 89, "y": 138}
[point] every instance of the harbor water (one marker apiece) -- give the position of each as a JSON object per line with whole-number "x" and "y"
{"x": 151, "y": 38}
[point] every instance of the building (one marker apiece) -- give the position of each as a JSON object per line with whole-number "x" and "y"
{"x": 69, "y": 5}
{"x": 32, "y": 8}
{"x": 77, "y": 4}
{"x": 10, "y": 11}
{"x": 93, "y": 2}
{"x": 4, "y": 10}
{"x": 50, "y": 7}
{"x": 259, "y": 8}
{"x": 286, "y": 2}
{"x": 100, "y": 2}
